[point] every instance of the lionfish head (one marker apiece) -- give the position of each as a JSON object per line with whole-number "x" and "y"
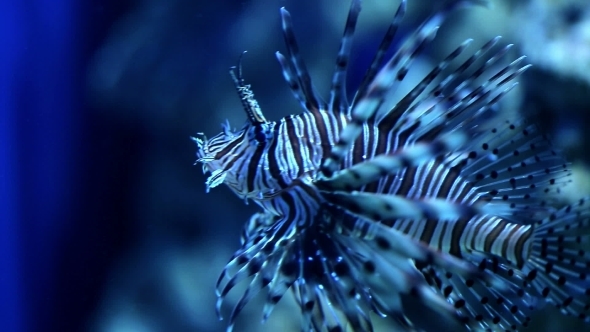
{"x": 219, "y": 154}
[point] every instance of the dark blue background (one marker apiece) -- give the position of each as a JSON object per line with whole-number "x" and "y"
{"x": 48, "y": 187}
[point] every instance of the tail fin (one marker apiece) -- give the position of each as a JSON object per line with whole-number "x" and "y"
{"x": 558, "y": 265}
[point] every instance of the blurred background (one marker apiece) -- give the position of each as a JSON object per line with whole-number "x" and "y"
{"x": 106, "y": 225}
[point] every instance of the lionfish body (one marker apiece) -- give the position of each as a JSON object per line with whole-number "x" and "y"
{"x": 435, "y": 198}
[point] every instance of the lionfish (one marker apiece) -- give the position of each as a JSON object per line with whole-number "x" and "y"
{"x": 433, "y": 196}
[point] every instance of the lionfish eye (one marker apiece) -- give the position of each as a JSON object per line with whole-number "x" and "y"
{"x": 262, "y": 132}
{"x": 259, "y": 134}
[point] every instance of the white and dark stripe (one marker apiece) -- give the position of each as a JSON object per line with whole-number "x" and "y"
{"x": 364, "y": 204}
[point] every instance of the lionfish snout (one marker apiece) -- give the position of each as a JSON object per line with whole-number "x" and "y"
{"x": 207, "y": 151}
{"x": 219, "y": 155}
{"x": 202, "y": 147}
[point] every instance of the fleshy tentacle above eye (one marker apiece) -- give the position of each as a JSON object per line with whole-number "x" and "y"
{"x": 246, "y": 95}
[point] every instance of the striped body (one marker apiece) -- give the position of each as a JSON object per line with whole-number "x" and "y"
{"x": 290, "y": 162}
{"x": 436, "y": 198}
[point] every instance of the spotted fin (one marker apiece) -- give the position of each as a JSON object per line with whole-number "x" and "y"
{"x": 555, "y": 271}
{"x": 385, "y": 260}
{"x": 515, "y": 163}
{"x": 338, "y": 98}
{"x": 300, "y": 81}
{"x": 462, "y": 110}
{"x": 385, "y": 81}
{"x": 266, "y": 257}
{"x": 558, "y": 264}
{"x": 486, "y": 307}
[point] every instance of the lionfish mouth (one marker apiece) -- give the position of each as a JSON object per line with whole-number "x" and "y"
{"x": 205, "y": 157}
{"x": 202, "y": 154}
